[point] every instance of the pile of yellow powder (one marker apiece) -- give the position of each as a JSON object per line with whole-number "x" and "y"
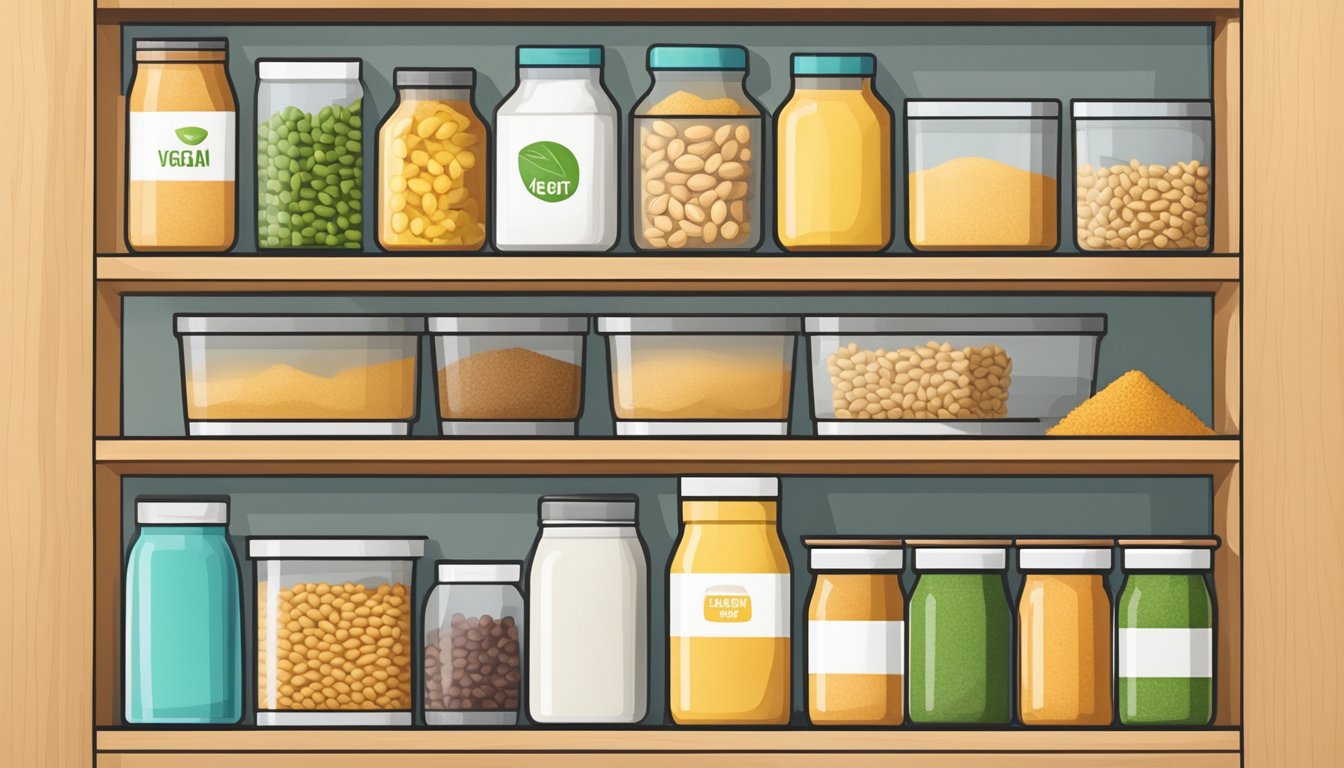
{"x": 687, "y": 103}
{"x": 1132, "y": 405}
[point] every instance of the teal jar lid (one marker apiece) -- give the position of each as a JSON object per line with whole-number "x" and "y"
{"x": 716, "y": 57}
{"x": 560, "y": 56}
{"x": 834, "y": 64}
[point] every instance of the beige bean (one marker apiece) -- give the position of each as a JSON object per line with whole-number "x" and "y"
{"x": 699, "y": 132}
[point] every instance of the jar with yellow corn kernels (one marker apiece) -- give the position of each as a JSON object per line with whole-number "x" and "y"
{"x": 432, "y": 164}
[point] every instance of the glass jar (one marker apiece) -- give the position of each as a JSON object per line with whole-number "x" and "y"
{"x": 1144, "y": 175}
{"x": 960, "y": 624}
{"x": 698, "y": 132}
{"x": 181, "y": 147}
{"x": 1165, "y": 658}
{"x": 1064, "y": 632}
{"x": 184, "y": 622}
{"x": 473, "y": 636}
{"x": 433, "y": 164}
{"x": 856, "y": 632}
{"x": 557, "y": 187}
{"x": 334, "y": 643}
{"x": 588, "y": 612}
{"x": 310, "y": 154}
{"x": 833, "y": 183}
{"x": 983, "y": 175}
{"x": 728, "y": 605}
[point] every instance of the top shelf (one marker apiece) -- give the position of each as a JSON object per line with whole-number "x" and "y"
{"x": 756, "y": 11}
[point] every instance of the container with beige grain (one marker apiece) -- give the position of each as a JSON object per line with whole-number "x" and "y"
{"x": 1144, "y": 179}
{"x": 473, "y": 644}
{"x": 950, "y": 374}
{"x": 698, "y": 151}
{"x": 334, "y": 643}
{"x": 701, "y": 375}
{"x": 513, "y": 376}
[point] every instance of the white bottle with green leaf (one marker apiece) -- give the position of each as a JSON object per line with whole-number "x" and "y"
{"x": 555, "y": 165}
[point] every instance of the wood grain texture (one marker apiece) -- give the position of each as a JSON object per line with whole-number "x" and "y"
{"x": 1294, "y": 425}
{"x": 46, "y": 554}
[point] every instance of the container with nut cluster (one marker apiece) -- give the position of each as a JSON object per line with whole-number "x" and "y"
{"x": 1143, "y": 176}
{"x": 473, "y": 633}
{"x": 432, "y": 164}
{"x": 310, "y": 154}
{"x": 698, "y": 136}
{"x": 334, "y": 644}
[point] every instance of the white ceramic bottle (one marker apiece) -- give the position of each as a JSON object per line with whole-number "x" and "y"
{"x": 555, "y": 183}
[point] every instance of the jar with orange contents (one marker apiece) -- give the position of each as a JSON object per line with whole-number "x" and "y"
{"x": 432, "y": 164}
{"x": 1064, "y": 625}
{"x": 855, "y": 632}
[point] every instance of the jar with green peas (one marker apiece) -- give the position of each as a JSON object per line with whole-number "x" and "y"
{"x": 310, "y": 154}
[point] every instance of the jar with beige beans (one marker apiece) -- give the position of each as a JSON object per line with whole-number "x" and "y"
{"x": 934, "y": 381}
{"x": 696, "y": 182}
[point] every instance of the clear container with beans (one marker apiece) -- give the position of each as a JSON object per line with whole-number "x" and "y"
{"x": 950, "y": 374}
{"x": 310, "y": 154}
{"x": 473, "y": 640}
{"x": 1143, "y": 175}
{"x": 334, "y": 642}
{"x": 432, "y": 164}
{"x": 698, "y": 144}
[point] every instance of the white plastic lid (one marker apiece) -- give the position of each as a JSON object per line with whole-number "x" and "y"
{"x": 335, "y": 548}
{"x": 1168, "y": 559}
{"x": 1064, "y": 559}
{"x": 917, "y": 108}
{"x": 961, "y": 558}
{"x": 1143, "y": 108}
{"x": 497, "y": 573}
{"x": 856, "y": 559}
{"x": 184, "y": 510}
{"x": 331, "y": 69}
{"x": 729, "y": 487}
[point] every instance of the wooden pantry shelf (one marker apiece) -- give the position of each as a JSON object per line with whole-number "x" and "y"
{"x": 642, "y": 273}
{"x": 756, "y": 11}
{"x": 662, "y": 456}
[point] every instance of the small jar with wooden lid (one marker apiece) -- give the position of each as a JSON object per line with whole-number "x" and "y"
{"x": 1064, "y": 632}
{"x": 855, "y": 632}
{"x": 181, "y": 147}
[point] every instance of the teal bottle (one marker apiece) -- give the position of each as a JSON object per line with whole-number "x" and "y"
{"x": 183, "y": 620}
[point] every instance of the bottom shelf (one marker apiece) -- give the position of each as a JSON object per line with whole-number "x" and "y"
{"x": 671, "y": 747}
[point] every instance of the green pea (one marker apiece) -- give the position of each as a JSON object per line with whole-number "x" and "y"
{"x": 356, "y": 121}
{"x": 352, "y": 234}
{"x": 292, "y": 113}
{"x": 324, "y": 198}
{"x": 354, "y": 146}
{"x": 356, "y": 219}
{"x": 324, "y": 211}
{"x": 305, "y": 205}
{"x": 356, "y": 205}
{"x": 342, "y": 222}
{"x": 340, "y": 128}
{"x": 307, "y": 194}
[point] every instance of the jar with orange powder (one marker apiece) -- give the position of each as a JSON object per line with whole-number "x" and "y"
{"x": 729, "y": 605}
{"x": 181, "y": 148}
{"x": 1064, "y": 632}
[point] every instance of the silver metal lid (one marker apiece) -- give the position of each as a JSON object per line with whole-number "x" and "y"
{"x": 464, "y": 77}
{"x": 610, "y": 509}
{"x": 500, "y": 572}
{"x": 1143, "y": 108}
{"x": 406, "y": 548}
{"x": 509, "y": 324}
{"x": 998, "y": 325}
{"x": 200, "y": 44}
{"x": 182, "y": 510}
{"x": 700, "y": 324}
{"x": 373, "y": 325}
{"x": 1046, "y": 109}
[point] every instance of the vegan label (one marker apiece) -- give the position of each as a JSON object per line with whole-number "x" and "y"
{"x": 182, "y": 146}
{"x": 549, "y": 171}
{"x": 729, "y": 605}
{"x": 1166, "y": 653}
{"x": 856, "y": 647}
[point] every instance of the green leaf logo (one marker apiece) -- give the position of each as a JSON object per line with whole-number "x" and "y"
{"x": 191, "y": 135}
{"x": 549, "y": 171}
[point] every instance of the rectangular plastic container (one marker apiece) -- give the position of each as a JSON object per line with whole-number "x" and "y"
{"x": 334, "y": 642}
{"x": 694, "y": 375}
{"x": 988, "y": 374}
{"x": 318, "y": 375}
{"x": 509, "y": 376}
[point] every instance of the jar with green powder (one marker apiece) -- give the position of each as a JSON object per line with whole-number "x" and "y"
{"x": 960, "y": 624}
{"x": 1165, "y": 640}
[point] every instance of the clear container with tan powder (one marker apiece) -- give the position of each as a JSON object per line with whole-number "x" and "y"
{"x": 181, "y": 147}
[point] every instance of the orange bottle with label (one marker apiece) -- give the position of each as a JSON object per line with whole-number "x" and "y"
{"x": 729, "y": 605}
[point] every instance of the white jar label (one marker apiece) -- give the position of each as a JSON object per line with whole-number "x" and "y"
{"x": 556, "y": 181}
{"x": 182, "y": 146}
{"x": 729, "y": 605}
{"x": 1150, "y": 652}
{"x": 856, "y": 647}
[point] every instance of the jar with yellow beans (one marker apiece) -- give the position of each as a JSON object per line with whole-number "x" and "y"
{"x": 432, "y": 164}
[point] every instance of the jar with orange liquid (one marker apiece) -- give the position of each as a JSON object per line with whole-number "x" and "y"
{"x": 855, "y": 632}
{"x": 1064, "y": 626}
{"x": 729, "y": 606}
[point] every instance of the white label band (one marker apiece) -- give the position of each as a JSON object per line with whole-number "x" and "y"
{"x": 729, "y": 605}
{"x": 182, "y": 146}
{"x": 856, "y": 647}
{"x": 1166, "y": 653}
